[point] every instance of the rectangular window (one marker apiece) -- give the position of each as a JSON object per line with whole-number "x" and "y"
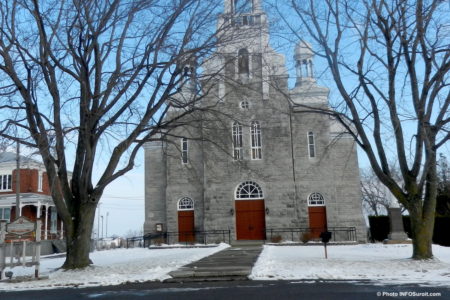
{"x": 5, "y": 182}
{"x": 40, "y": 177}
{"x": 311, "y": 145}
{"x": 184, "y": 150}
{"x": 53, "y": 220}
{"x": 237, "y": 141}
{"x": 256, "y": 143}
{"x": 5, "y": 214}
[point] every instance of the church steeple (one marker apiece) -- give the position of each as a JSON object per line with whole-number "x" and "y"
{"x": 244, "y": 13}
{"x": 304, "y": 56}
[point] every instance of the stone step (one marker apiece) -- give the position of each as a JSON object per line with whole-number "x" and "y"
{"x": 243, "y": 243}
{"x": 202, "y": 279}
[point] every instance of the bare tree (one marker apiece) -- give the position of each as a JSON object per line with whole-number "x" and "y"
{"x": 375, "y": 199}
{"x": 91, "y": 80}
{"x": 389, "y": 62}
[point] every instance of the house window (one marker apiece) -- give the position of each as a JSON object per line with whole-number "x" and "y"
{"x": 5, "y": 182}
{"x": 316, "y": 199}
{"x": 40, "y": 178}
{"x": 53, "y": 220}
{"x": 185, "y": 203}
{"x": 249, "y": 190}
{"x": 237, "y": 141}
{"x": 243, "y": 62}
{"x": 311, "y": 145}
{"x": 5, "y": 214}
{"x": 256, "y": 143}
{"x": 184, "y": 150}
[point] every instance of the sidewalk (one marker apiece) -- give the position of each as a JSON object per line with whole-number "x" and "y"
{"x": 234, "y": 263}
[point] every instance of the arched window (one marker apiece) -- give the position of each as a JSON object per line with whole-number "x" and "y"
{"x": 311, "y": 71}
{"x": 243, "y": 6}
{"x": 256, "y": 142}
{"x": 243, "y": 62}
{"x": 311, "y": 145}
{"x": 249, "y": 190}
{"x": 237, "y": 141}
{"x": 185, "y": 203}
{"x": 316, "y": 199}
{"x": 305, "y": 68}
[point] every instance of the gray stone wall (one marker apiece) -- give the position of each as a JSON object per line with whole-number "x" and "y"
{"x": 155, "y": 186}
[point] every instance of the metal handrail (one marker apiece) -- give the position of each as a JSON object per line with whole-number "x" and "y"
{"x": 198, "y": 237}
{"x": 345, "y": 233}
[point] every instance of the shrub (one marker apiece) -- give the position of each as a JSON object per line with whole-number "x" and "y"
{"x": 276, "y": 239}
{"x": 305, "y": 237}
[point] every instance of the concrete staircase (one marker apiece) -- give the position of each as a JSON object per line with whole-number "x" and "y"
{"x": 234, "y": 263}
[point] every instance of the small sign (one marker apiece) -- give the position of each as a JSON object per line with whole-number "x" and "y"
{"x": 20, "y": 226}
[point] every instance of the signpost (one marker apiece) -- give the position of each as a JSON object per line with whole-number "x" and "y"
{"x": 20, "y": 233}
{"x": 21, "y": 227}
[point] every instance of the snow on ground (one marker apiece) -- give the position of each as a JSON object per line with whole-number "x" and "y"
{"x": 112, "y": 267}
{"x": 378, "y": 262}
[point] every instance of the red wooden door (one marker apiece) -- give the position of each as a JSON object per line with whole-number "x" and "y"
{"x": 250, "y": 220}
{"x": 317, "y": 220}
{"x": 186, "y": 226}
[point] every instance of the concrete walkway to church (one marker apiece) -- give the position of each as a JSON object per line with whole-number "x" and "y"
{"x": 234, "y": 263}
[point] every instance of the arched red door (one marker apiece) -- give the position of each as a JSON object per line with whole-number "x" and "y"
{"x": 317, "y": 220}
{"x": 186, "y": 220}
{"x": 317, "y": 212}
{"x": 250, "y": 220}
{"x": 186, "y": 226}
{"x": 250, "y": 212}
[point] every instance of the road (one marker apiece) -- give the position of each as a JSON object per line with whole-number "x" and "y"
{"x": 235, "y": 290}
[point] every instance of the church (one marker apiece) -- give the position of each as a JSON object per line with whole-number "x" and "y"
{"x": 268, "y": 160}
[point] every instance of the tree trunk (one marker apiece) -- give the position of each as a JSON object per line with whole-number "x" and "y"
{"x": 422, "y": 225}
{"x": 78, "y": 238}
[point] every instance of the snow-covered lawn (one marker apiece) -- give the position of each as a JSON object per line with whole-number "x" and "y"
{"x": 113, "y": 267}
{"x": 383, "y": 263}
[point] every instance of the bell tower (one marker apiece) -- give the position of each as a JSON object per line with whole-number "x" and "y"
{"x": 242, "y": 6}
{"x": 304, "y": 58}
{"x": 244, "y": 13}
{"x": 243, "y": 34}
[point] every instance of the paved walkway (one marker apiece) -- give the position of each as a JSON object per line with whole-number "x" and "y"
{"x": 234, "y": 263}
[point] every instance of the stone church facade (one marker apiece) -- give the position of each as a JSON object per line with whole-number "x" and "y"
{"x": 266, "y": 161}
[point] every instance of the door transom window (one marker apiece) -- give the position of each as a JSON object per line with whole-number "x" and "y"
{"x": 316, "y": 199}
{"x": 249, "y": 190}
{"x": 185, "y": 203}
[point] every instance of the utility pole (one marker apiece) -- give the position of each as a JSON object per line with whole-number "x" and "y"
{"x": 98, "y": 222}
{"x": 107, "y": 214}
{"x": 102, "y": 225}
{"x": 18, "y": 210}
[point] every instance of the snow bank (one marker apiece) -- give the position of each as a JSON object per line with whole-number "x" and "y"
{"x": 113, "y": 267}
{"x": 384, "y": 263}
